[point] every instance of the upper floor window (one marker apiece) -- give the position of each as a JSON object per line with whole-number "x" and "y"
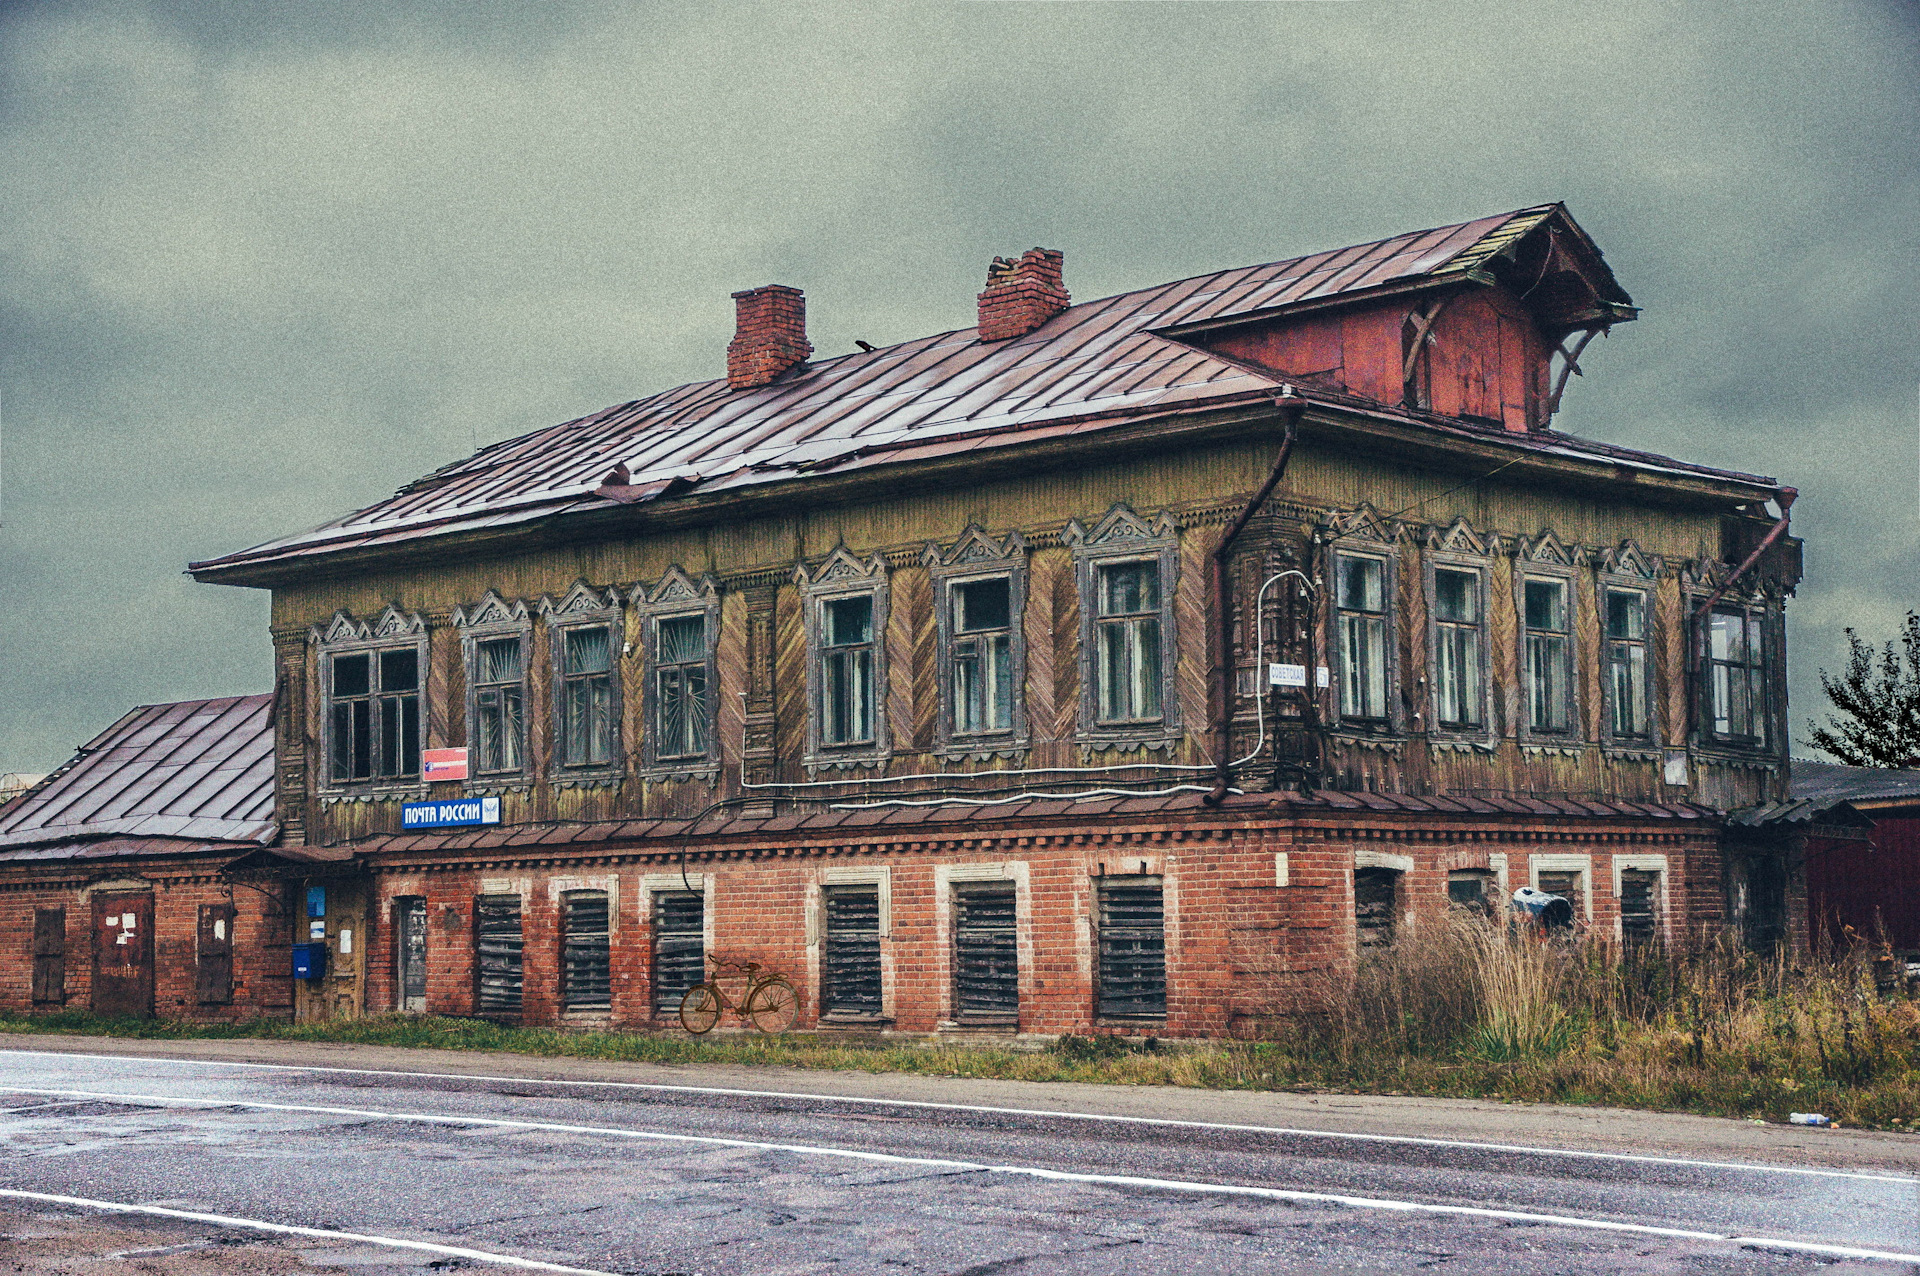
{"x": 1360, "y": 600}
{"x": 588, "y": 717}
{"x": 1736, "y": 700}
{"x": 1548, "y": 655}
{"x": 1127, "y": 665}
{"x": 1457, "y": 683}
{"x": 981, "y": 655}
{"x": 1627, "y": 714}
{"x": 680, "y": 713}
{"x": 376, "y": 715}
{"x": 846, "y": 620}
{"x": 847, "y": 670}
{"x": 498, "y": 669}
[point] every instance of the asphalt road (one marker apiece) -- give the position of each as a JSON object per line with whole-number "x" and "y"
{"x": 781, "y": 1172}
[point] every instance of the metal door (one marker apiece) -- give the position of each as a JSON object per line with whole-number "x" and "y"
{"x": 413, "y": 954}
{"x": 123, "y": 955}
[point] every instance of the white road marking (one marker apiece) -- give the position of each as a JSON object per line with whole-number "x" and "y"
{"x": 1291, "y": 1131}
{"x": 283, "y": 1229}
{"x": 1027, "y": 1171}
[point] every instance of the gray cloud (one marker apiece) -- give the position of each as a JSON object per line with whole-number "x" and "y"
{"x": 265, "y": 263}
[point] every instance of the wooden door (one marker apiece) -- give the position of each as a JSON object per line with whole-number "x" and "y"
{"x": 49, "y": 956}
{"x": 214, "y": 974}
{"x": 123, "y": 955}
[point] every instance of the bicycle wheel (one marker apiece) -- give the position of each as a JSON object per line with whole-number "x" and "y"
{"x": 700, "y": 1009}
{"x": 774, "y": 1006}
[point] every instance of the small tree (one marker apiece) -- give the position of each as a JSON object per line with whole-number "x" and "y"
{"x": 1877, "y": 703}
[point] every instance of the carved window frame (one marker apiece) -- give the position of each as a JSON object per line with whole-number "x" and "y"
{"x": 674, "y": 596}
{"x": 841, "y": 575}
{"x": 1546, "y": 559}
{"x": 490, "y": 618}
{"x": 585, "y": 606}
{"x": 1360, "y": 533}
{"x": 976, "y": 556}
{"x": 1629, "y": 569}
{"x": 1460, "y": 549}
{"x": 391, "y": 630}
{"x": 1122, "y": 536}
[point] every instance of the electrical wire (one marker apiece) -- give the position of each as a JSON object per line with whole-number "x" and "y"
{"x": 1260, "y": 654}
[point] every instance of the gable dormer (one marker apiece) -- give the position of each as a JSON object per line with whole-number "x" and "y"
{"x": 1486, "y": 329}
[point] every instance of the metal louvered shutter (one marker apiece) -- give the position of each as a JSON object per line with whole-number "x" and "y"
{"x": 851, "y": 983}
{"x": 679, "y": 947}
{"x": 986, "y": 952}
{"x": 1637, "y": 903}
{"x": 586, "y": 970}
{"x": 496, "y": 932}
{"x": 1133, "y": 948}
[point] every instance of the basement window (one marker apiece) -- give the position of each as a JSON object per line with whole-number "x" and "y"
{"x": 586, "y": 972}
{"x": 850, "y": 981}
{"x": 1376, "y": 906}
{"x": 1133, "y": 948}
{"x": 679, "y": 947}
{"x": 986, "y": 953}
{"x": 1639, "y": 905}
{"x": 498, "y": 953}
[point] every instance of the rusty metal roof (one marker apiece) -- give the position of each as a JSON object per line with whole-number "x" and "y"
{"x": 195, "y": 771}
{"x": 1089, "y": 367}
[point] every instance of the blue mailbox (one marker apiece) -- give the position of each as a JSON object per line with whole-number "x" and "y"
{"x": 309, "y": 961}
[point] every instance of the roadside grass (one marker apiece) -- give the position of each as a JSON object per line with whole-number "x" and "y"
{"x": 1456, "y": 1008}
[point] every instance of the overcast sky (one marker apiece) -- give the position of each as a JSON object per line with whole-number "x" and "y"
{"x": 263, "y": 263}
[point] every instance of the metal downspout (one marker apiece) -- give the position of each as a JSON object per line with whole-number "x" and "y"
{"x": 1291, "y": 406}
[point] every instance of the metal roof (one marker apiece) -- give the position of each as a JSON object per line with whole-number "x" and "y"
{"x": 198, "y": 770}
{"x": 673, "y": 833}
{"x": 1825, "y": 783}
{"x": 1090, "y": 367}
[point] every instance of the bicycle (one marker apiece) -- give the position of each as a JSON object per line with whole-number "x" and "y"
{"x": 769, "y": 1003}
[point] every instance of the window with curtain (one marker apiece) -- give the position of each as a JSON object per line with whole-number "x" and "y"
{"x": 1457, "y": 695}
{"x": 499, "y": 731}
{"x": 982, "y": 656}
{"x": 374, "y": 732}
{"x": 1737, "y": 677}
{"x": 1361, "y": 606}
{"x": 1127, "y": 664}
{"x": 680, "y": 712}
{"x": 1627, "y": 663}
{"x": 846, "y": 670}
{"x": 1549, "y": 656}
{"x": 587, "y": 715}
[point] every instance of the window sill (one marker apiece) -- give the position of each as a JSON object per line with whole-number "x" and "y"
{"x": 844, "y": 1019}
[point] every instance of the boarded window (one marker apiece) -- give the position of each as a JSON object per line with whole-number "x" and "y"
{"x": 850, "y": 982}
{"x": 1376, "y": 906}
{"x": 679, "y": 947}
{"x": 49, "y": 956}
{"x": 1639, "y": 896}
{"x": 1565, "y": 883}
{"x": 497, "y": 943}
{"x": 986, "y": 952}
{"x": 1471, "y": 888}
{"x": 214, "y": 978}
{"x": 1133, "y": 948}
{"x": 586, "y": 974}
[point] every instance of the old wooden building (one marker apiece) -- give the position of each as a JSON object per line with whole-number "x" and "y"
{"x": 1094, "y": 667}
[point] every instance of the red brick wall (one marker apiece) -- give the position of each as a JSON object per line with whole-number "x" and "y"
{"x": 1239, "y": 946}
{"x": 262, "y": 982}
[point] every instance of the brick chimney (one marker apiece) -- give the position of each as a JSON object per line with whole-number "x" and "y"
{"x": 1021, "y": 295}
{"x": 770, "y": 335}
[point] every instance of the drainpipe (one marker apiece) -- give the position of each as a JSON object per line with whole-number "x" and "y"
{"x": 1786, "y": 497}
{"x": 1290, "y": 406}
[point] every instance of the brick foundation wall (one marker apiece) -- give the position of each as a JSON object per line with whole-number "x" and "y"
{"x": 262, "y": 982}
{"x": 1240, "y": 946}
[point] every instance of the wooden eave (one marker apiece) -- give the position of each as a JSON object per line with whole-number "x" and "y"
{"x": 1371, "y": 432}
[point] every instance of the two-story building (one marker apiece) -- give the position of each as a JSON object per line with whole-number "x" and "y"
{"x": 1096, "y": 667}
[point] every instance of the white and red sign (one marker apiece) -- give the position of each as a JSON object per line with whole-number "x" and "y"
{"x": 443, "y": 764}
